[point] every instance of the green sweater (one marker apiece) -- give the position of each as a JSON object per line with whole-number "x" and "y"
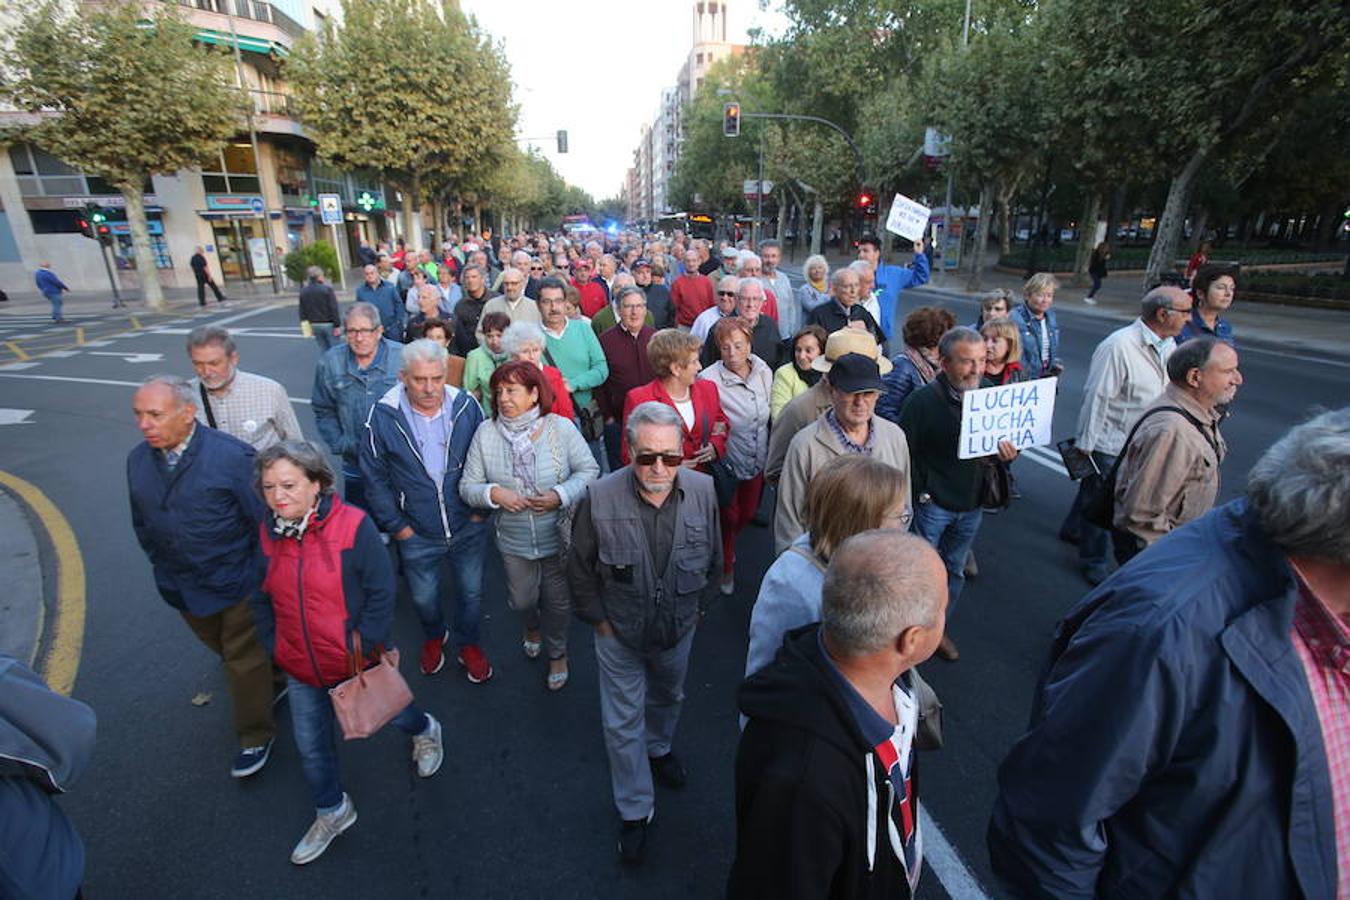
{"x": 578, "y": 356}
{"x": 933, "y": 428}
{"x": 478, "y": 368}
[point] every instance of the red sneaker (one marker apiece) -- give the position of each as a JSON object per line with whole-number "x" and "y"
{"x": 433, "y": 654}
{"x": 475, "y": 663}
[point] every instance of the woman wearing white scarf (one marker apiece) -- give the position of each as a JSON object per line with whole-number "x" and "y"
{"x": 531, "y": 466}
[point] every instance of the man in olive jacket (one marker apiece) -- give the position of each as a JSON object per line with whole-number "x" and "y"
{"x": 646, "y": 554}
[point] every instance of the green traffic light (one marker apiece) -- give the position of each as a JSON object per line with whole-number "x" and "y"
{"x": 99, "y": 217}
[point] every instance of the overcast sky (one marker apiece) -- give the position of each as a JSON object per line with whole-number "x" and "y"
{"x": 597, "y": 69}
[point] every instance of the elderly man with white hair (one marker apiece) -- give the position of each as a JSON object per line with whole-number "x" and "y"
{"x": 412, "y": 452}
{"x": 749, "y": 265}
{"x": 764, "y": 340}
{"x": 1189, "y": 734}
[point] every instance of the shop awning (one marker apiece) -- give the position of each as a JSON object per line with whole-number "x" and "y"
{"x": 216, "y": 214}
{"x": 251, "y": 44}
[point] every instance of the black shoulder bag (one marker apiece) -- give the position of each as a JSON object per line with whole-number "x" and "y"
{"x": 206, "y": 406}
{"x": 1100, "y": 508}
{"x": 724, "y": 480}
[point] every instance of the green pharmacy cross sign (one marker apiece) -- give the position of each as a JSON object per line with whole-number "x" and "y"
{"x": 369, "y": 202}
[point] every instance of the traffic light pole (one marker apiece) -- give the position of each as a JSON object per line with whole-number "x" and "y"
{"x": 112, "y": 280}
{"x": 759, "y": 196}
{"x": 857, "y": 154}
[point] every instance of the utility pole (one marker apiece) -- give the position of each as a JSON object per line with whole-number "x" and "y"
{"x": 951, "y": 176}
{"x": 755, "y": 232}
{"x": 272, "y": 262}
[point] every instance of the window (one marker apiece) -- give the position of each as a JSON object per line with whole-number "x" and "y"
{"x": 232, "y": 171}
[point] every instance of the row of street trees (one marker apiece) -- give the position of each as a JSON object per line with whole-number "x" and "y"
{"x": 410, "y": 89}
{"x": 1087, "y": 109}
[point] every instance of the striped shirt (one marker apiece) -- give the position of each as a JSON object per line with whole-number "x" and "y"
{"x": 1322, "y": 642}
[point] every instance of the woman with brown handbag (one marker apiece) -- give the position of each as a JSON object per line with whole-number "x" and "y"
{"x": 329, "y": 591}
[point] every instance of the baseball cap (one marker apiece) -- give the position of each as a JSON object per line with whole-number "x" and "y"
{"x": 642, "y": 261}
{"x": 853, "y": 373}
{"x": 850, "y": 340}
{"x": 728, "y": 252}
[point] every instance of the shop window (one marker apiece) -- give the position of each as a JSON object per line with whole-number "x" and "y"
{"x": 232, "y": 171}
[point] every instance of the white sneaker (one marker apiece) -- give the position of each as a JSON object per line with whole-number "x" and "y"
{"x": 326, "y": 827}
{"x": 428, "y": 751}
{"x": 1090, "y": 301}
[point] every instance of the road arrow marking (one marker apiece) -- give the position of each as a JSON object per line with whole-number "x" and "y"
{"x": 131, "y": 357}
{"x": 15, "y": 416}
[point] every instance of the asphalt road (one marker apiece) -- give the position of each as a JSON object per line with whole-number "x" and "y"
{"x": 521, "y": 806}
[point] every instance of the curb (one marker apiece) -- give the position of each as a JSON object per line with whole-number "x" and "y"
{"x": 22, "y": 607}
{"x": 54, "y": 602}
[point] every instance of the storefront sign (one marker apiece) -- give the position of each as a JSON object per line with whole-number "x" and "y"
{"x": 249, "y": 203}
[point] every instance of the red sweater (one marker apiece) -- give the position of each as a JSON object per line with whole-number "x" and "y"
{"x": 691, "y": 295}
{"x": 562, "y": 401}
{"x": 707, "y": 407}
{"x": 592, "y": 297}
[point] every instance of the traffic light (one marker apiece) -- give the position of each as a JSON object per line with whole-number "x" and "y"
{"x": 86, "y": 227}
{"x": 867, "y": 202}
{"x": 731, "y": 120}
{"x": 562, "y": 140}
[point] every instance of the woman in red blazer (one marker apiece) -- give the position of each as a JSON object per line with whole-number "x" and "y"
{"x": 674, "y": 358}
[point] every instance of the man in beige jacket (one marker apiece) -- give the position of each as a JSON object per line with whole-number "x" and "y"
{"x": 850, "y": 425}
{"x": 1169, "y": 473}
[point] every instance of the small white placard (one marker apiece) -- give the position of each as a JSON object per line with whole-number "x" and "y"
{"x": 1021, "y": 414}
{"x": 907, "y": 218}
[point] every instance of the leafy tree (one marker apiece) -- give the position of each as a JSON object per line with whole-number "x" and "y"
{"x": 412, "y": 89}
{"x": 1199, "y": 79}
{"x": 121, "y": 91}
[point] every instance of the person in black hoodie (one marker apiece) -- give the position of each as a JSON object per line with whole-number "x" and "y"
{"x": 826, "y": 793}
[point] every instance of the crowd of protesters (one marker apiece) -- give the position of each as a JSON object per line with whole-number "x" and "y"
{"x": 610, "y": 415}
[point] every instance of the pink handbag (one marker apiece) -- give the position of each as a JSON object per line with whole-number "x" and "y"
{"x": 371, "y": 698}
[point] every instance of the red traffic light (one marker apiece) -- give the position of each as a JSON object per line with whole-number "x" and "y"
{"x": 865, "y": 199}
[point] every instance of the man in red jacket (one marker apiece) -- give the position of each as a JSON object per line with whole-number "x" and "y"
{"x": 593, "y": 297}
{"x": 692, "y": 292}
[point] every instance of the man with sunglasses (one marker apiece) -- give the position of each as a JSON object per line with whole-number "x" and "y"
{"x": 724, "y": 306}
{"x": 646, "y": 556}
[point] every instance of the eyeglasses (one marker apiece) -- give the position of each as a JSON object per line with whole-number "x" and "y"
{"x": 362, "y": 331}
{"x": 726, "y": 293}
{"x": 671, "y": 460}
{"x": 902, "y": 520}
{"x": 536, "y": 268}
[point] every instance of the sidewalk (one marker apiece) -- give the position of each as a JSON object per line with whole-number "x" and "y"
{"x": 22, "y": 607}
{"x": 1285, "y": 329}
{"x": 31, "y": 303}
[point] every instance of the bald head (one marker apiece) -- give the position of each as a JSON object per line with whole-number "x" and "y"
{"x": 880, "y": 584}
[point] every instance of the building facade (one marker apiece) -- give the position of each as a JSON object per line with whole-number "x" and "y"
{"x": 245, "y": 207}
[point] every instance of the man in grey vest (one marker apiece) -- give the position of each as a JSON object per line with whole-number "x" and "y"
{"x": 646, "y": 553}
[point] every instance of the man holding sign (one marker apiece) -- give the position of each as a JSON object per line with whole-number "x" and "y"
{"x": 946, "y": 487}
{"x": 891, "y": 280}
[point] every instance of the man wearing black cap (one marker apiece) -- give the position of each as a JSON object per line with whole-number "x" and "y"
{"x": 850, "y": 425}
{"x": 658, "y": 295}
{"x": 947, "y": 488}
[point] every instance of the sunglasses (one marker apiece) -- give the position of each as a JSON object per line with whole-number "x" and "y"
{"x": 649, "y": 459}
{"x": 726, "y": 293}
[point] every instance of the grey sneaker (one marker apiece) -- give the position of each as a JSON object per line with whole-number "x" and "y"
{"x": 428, "y": 751}
{"x": 326, "y": 827}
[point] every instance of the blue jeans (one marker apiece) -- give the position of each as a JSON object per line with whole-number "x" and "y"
{"x": 56, "y": 302}
{"x": 316, "y": 733}
{"x": 1096, "y": 285}
{"x": 323, "y": 335}
{"x": 1093, "y": 542}
{"x": 353, "y": 487}
{"x": 951, "y": 534}
{"x": 422, "y": 558}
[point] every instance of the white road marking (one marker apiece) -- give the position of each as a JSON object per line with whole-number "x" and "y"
{"x": 1042, "y": 457}
{"x": 132, "y": 357}
{"x": 98, "y": 343}
{"x": 15, "y": 416}
{"x": 940, "y": 856}
{"x": 62, "y": 354}
{"x": 112, "y": 382}
{"x": 250, "y": 313}
{"x": 18, "y": 366}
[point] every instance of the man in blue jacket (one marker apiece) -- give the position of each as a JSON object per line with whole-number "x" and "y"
{"x": 412, "y": 453}
{"x": 1191, "y": 735}
{"x": 891, "y": 280}
{"x": 196, "y": 516}
{"x": 52, "y": 288}
{"x": 347, "y": 382}
{"x": 386, "y": 298}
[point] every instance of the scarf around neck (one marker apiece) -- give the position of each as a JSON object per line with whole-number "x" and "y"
{"x": 808, "y": 375}
{"x": 927, "y": 371}
{"x": 516, "y": 430}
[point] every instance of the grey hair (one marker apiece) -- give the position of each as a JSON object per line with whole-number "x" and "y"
{"x": 878, "y": 584}
{"x": 626, "y": 290}
{"x": 313, "y": 273}
{"x": 475, "y": 267}
{"x": 211, "y": 334}
{"x": 520, "y": 255}
{"x": 1194, "y": 354}
{"x": 1300, "y": 488}
{"x": 748, "y": 282}
{"x": 623, "y": 279}
{"x": 303, "y": 455}
{"x": 745, "y": 258}
{"x": 838, "y": 275}
{"x": 182, "y": 390}
{"x": 1158, "y": 298}
{"x": 653, "y": 412}
{"x": 520, "y": 334}
{"x": 961, "y": 334}
{"x": 366, "y": 311}
{"x": 861, "y": 266}
{"x": 422, "y": 351}
{"x": 815, "y": 259}
{"x": 769, "y": 244}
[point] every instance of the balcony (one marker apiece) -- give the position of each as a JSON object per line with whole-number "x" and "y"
{"x": 275, "y": 112}
{"x": 261, "y": 27}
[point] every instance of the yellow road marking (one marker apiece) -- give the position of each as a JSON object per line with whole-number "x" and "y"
{"x": 17, "y": 350}
{"x": 62, "y": 661}
{"x": 79, "y": 337}
{"x": 135, "y": 322}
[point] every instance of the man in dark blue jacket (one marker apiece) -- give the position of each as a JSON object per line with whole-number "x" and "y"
{"x": 412, "y": 456}
{"x": 386, "y": 298}
{"x": 1189, "y": 737}
{"x": 196, "y": 515}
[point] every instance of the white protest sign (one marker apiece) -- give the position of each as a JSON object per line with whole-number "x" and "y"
{"x": 1018, "y": 413}
{"x": 907, "y": 218}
